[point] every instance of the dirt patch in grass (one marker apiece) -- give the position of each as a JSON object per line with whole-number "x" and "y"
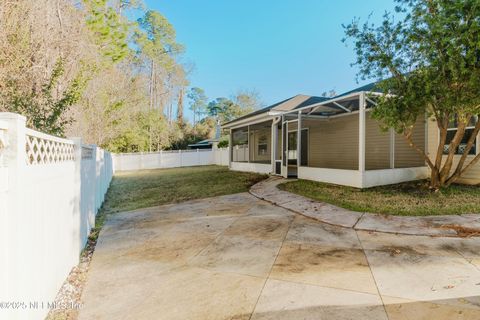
{"x": 146, "y": 188}
{"x": 408, "y": 199}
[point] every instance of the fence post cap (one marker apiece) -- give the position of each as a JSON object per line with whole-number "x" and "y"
{"x": 12, "y": 116}
{"x": 75, "y": 139}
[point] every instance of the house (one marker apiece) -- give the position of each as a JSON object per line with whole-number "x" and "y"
{"x": 204, "y": 144}
{"x": 208, "y": 143}
{"x": 339, "y": 142}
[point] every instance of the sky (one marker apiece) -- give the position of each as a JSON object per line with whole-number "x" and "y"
{"x": 279, "y": 48}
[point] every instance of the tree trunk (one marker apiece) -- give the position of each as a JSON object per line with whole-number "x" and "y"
{"x": 454, "y": 143}
{"x": 151, "y": 84}
{"x": 460, "y": 170}
{"x": 442, "y": 165}
{"x": 180, "y": 107}
{"x": 435, "y": 181}
{"x": 194, "y": 114}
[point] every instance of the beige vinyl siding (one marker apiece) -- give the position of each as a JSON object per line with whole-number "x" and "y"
{"x": 472, "y": 176}
{"x": 377, "y": 145}
{"x": 333, "y": 143}
{"x": 432, "y": 141}
{"x": 406, "y": 156}
{"x": 254, "y": 142}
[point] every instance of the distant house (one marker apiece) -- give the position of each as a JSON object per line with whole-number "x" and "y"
{"x": 204, "y": 144}
{"x": 208, "y": 143}
{"x": 338, "y": 143}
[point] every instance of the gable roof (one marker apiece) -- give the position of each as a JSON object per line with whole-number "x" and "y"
{"x": 368, "y": 87}
{"x": 203, "y": 143}
{"x": 300, "y": 101}
{"x": 291, "y": 103}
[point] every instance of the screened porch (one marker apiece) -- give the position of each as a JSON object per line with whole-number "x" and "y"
{"x": 252, "y": 147}
{"x": 340, "y": 143}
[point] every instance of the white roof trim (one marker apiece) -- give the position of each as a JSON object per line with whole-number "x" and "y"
{"x": 249, "y": 122}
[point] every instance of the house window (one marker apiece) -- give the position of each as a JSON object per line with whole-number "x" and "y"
{"x": 452, "y": 130}
{"x": 262, "y": 145}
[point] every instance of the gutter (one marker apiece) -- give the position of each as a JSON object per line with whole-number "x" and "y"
{"x": 251, "y": 120}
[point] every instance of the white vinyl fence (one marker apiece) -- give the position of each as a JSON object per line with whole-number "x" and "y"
{"x": 170, "y": 159}
{"x": 50, "y": 192}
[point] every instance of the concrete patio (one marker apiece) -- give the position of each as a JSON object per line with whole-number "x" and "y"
{"x": 239, "y": 257}
{"x": 458, "y": 225}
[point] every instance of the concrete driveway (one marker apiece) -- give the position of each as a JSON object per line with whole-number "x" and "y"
{"x": 237, "y": 257}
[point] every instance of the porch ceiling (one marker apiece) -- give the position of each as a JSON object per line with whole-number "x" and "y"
{"x": 261, "y": 125}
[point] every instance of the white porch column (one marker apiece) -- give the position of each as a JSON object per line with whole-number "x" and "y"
{"x": 284, "y": 149}
{"x": 230, "y": 149}
{"x": 273, "y": 144}
{"x": 248, "y": 143}
{"x": 299, "y": 139}
{"x": 361, "y": 134}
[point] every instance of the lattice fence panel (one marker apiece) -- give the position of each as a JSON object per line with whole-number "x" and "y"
{"x": 44, "y": 151}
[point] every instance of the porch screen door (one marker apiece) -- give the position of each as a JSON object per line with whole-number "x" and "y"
{"x": 292, "y": 148}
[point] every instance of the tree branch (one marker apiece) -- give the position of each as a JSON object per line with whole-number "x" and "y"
{"x": 447, "y": 167}
{"x": 442, "y": 126}
{"x": 469, "y": 146}
{"x": 471, "y": 164}
{"x": 408, "y": 137}
{"x": 459, "y": 170}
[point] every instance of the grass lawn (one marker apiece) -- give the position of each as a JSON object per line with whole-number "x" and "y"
{"x": 407, "y": 199}
{"x": 147, "y": 188}
{"x": 132, "y": 190}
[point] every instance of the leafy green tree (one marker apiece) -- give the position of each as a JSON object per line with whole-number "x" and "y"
{"x": 248, "y": 100}
{"x": 109, "y": 28}
{"x": 223, "y": 143}
{"x": 226, "y": 110}
{"x": 428, "y": 62}
{"x": 149, "y": 132}
{"x": 46, "y": 111}
{"x": 182, "y": 136}
{"x": 157, "y": 126}
{"x": 198, "y": 103}
{"x": 156, "y": 40}
{"x": 157, "y": 36}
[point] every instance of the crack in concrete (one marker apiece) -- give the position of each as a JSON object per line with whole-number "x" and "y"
{"x": 371, "y": 272}
{"x": 271, "y": 268}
